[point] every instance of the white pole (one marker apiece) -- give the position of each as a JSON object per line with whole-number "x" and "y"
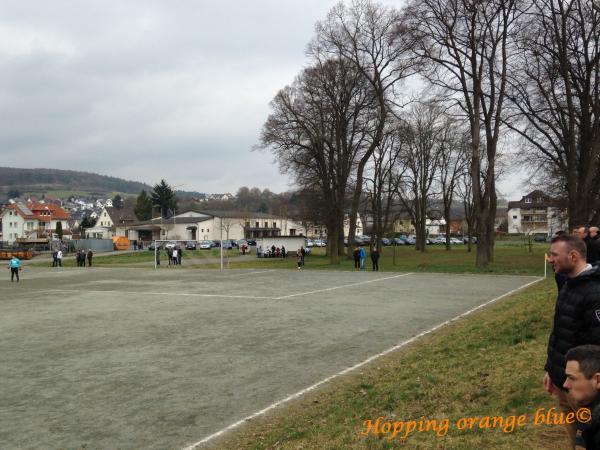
{"x": 545, "y": 267}
{"x": 221, "y": 227}
{"x": 155, "y": 266}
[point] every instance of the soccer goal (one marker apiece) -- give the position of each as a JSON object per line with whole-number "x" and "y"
{"x": 167, "y": 245}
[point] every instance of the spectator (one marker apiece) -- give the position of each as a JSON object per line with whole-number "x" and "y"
{"x": 375, "y": 259}
{"x": 363, "y": 258}
{"x": 283, "y": 252}
{"x": 59, "y": 256}
{"x": 54, "y": 258}
{"x": 90, "y": 255}
{"x": 576, "y": 321}
{"x": 179, "y": 255}
{"x": 593, "y": 252}
{"x": 356, "y": 256}
{"x": 583, "y": 385}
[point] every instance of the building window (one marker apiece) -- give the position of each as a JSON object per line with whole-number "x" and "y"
{"x": 266, "y": 225}
{"x": 257, "y": 225}
{"x": 292, "y": 232}
{"x": 207, "y": 230}
{"x": 527, "y": 200}
{"x": 274, "y": 224}
{"x": 248, "y": 224}
{"x": 514, "y": 217}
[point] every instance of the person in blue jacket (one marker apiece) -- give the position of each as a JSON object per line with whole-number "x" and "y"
{"x": 14, "y": 265}
{"x": 363, "y": 258}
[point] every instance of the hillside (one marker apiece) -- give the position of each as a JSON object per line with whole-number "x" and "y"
{"x": 62, "y": 183}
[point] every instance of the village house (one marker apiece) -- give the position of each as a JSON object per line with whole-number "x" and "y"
{"x": 33, "y": 220}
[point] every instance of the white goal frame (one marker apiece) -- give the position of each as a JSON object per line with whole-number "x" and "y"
{"x": 182, "y": 243}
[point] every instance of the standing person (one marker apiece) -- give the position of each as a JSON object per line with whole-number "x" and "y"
{"x": 583, "y": 384}
{"x": 158, "y": 256}
{"x": 90, "y": 255}
{"x": 576, "y": 316}
{"x": 175, "y": 253}
{"x": 135, "y": 247}
{"x": 363, "y": 258}
{"x": 303, "y": 254}
{"x": 14, "y": 265}
{"x": 299, "y": 257}
{"x": 54, "y": 258}
{"x": 375, "y": 259}
{"x": 179, "y": 255}
{"x": 592, "y": 250}
{"x": 78, "y": 258}
{"x": 594, "y": 233}
{"x": 59, "y": 256}
{"x": 170, "y": 255}
{"x": 283, "y": 252}
{"x": 356, "y": 256}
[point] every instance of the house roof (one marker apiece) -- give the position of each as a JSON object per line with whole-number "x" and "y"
{"x": 48, "y": 211}
{"x": 534, "y": 200}
{"x": 121, "y": 216}
{"x": 21, "y": 210}
{"x": 234, "y": 214}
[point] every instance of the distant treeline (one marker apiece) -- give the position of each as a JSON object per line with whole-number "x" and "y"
{"x": 36, "y": 180}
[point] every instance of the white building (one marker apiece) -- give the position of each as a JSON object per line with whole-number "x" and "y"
{"x": 213, "y": 225}
{"x": 536, "y": 213}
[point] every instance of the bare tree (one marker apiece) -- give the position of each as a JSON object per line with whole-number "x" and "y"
{"x": 371, "y": 36}
{"x": 317, "y": 131}
{"x": 382, "y": 181}
{"x": 421, "y": 139}
{"x": 464, "y": 46}
{"x": 453, "y": 163}
{"x": 555, "y": 99}
{"x": 464, "y": 192}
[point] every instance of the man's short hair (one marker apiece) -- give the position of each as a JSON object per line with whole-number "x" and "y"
{"x": 588, "y": 357}
{"x": 572, "y": 242}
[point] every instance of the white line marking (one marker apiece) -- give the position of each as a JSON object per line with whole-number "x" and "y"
{"x": 344, "y": 286}
{"x": 354, "y": 367}
{"x": 173, "y": 294}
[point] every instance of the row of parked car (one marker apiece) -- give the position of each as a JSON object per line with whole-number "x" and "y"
{"x": 227, "y": 244}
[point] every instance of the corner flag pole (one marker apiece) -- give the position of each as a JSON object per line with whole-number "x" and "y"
{"x": 545, "y": 265}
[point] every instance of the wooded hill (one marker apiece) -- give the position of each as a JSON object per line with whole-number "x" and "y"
{"x": 64, "y": 183}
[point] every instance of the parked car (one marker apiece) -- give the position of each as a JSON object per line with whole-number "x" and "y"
{"x": 456, "y": 241}
{"x": 190, "y": 245}
{"x": 386, "y": 242}
{"x": 400, "y": 241}
{"x": 252, "y": 242}
{"x": 227, "y": 244}
{"x": 473, "y": 239}
{"x": 151, "y": 246}
{"x": 439, "y": 240}
{"x": 540, "y": 238}
{"x": 205, "y": 245}
{"x": 309, "y": 243}
{"x": 319, "y": 243}
{"x": 216, "y": 243}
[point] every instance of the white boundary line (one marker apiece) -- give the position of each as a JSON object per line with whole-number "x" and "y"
{"x": 354, "y": 367}
{"x": 171, "y": 294}
{"x": 344, "y": 286}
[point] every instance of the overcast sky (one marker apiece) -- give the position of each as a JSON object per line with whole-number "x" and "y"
{"x": 150, "y": 89}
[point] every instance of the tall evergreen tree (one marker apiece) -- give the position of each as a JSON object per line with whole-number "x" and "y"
{"x": 143, "y": 206}
{"x": 164, "y": 198}
{"x": 117, "y": 202}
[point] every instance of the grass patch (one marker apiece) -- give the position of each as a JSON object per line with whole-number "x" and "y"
{"x": 463, "y": 370}
{"x": 508, "y": 259}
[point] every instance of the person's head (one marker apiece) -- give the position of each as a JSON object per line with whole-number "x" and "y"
{"x": 581, "y": 231}
{"x": 567, "y": 254}
{"x": 593, "y": 232}
{"x": 583, "y": 373}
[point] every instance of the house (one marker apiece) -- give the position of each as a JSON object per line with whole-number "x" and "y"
{"x": 33, "y": 220}
{"x": 536, "y": 213}
{"x": 116, "y": 220}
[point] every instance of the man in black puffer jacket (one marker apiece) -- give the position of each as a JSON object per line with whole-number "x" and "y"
{"x": 576, "y": 315}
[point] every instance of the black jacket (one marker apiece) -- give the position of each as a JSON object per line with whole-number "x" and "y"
{"x": 593, "y": 250}
{"x": 591, "y": 430}
{"x": 576, "y": 321}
